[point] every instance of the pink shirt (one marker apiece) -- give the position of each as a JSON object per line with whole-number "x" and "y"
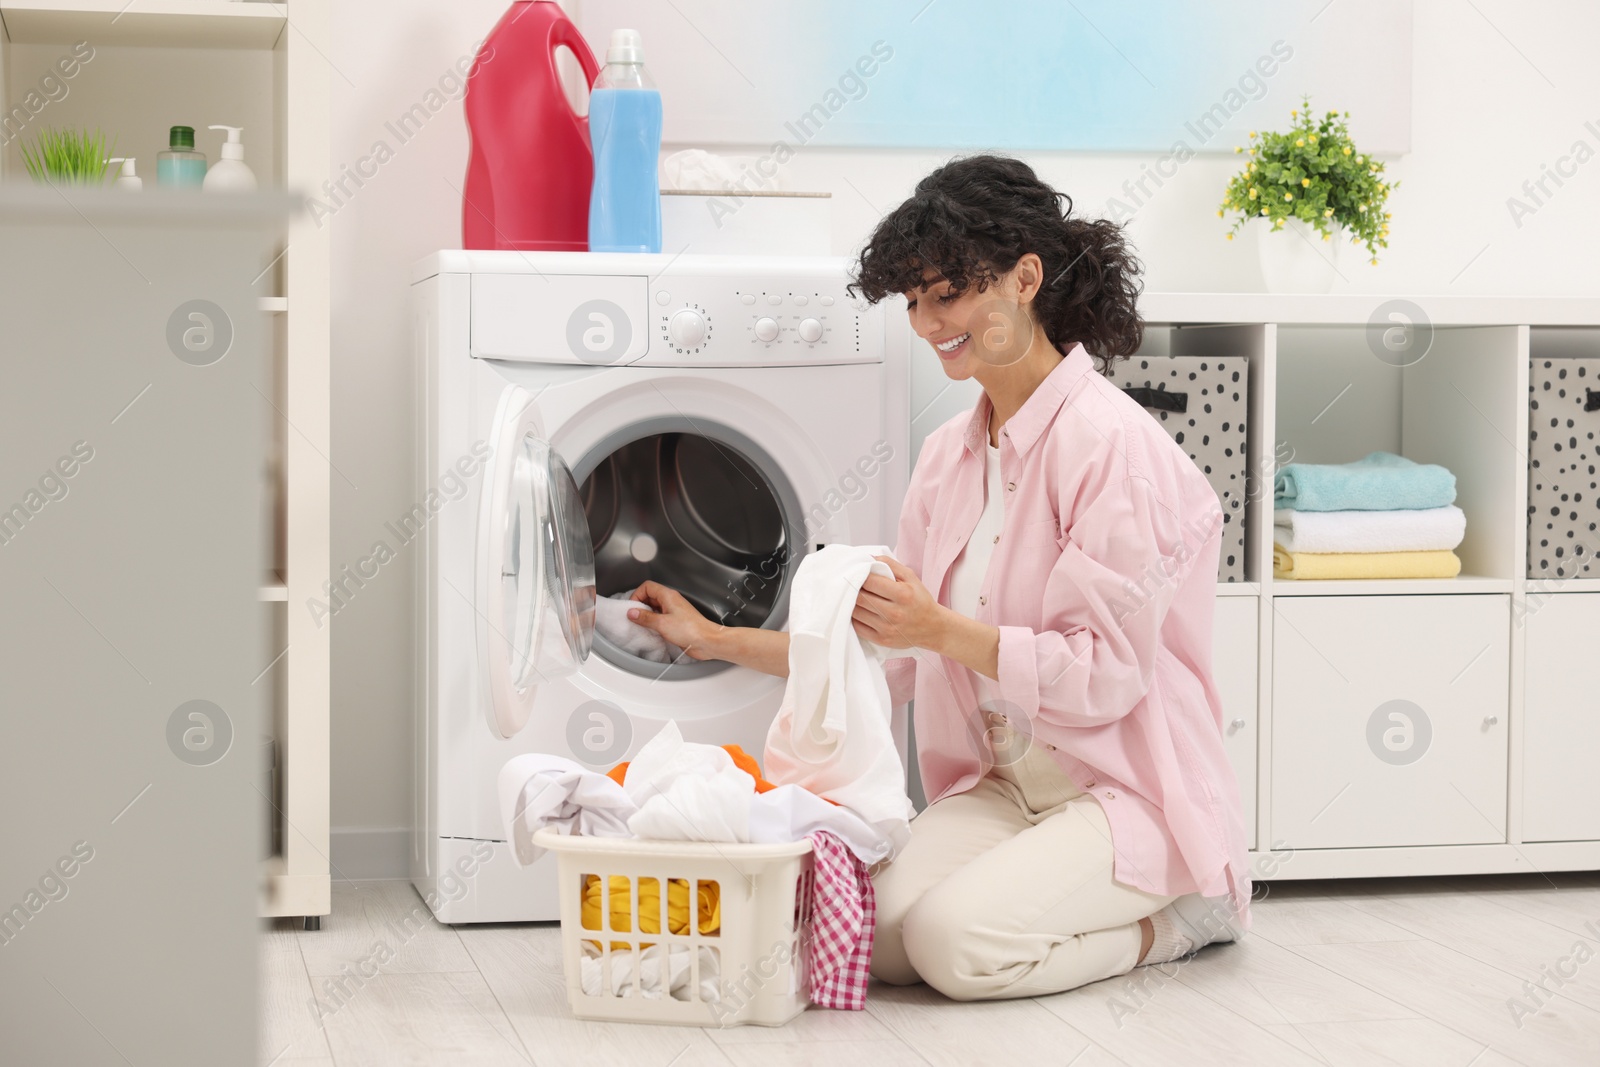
{"x": 1103, "y": 585}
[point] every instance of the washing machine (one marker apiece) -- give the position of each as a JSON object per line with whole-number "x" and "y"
{"x": 589, "y": 421}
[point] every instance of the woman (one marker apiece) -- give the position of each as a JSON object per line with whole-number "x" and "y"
{"x": 1056, "y": 565}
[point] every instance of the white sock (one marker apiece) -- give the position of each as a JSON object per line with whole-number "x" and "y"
{"x": 1170, "y": 943}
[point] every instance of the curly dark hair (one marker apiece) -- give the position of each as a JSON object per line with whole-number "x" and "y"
{"x": 974, "y": 218}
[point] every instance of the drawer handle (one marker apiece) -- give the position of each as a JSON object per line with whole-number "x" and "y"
{"x": 1237, "y": 724}
{"x": 1158, "y": 399}
{"x": 1490, "y": 720}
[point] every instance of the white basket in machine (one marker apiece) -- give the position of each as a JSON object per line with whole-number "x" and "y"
{"x": 751, "y": 969}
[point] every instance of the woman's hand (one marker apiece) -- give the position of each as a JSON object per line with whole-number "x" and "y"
{"x": 899, "y": 612}
{"x": 675, "y": 619}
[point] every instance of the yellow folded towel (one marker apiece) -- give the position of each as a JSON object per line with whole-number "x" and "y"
{"x": 1439, "y": 563}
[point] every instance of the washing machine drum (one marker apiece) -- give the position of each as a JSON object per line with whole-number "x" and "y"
{"x": 704, "y": 512}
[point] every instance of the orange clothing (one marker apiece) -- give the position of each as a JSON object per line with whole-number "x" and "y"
{"x": 741, "y": 759}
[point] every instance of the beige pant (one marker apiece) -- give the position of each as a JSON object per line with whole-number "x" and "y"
{"x": 1006, "y": 890}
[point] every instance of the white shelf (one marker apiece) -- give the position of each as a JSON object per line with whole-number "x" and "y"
{"x": 275, "y": 305}
{"x": 1238, "y": 588}
{"x": 1461, "y": 583}
{"x": 273, "y": 588}
{"x": 1551, "y": 586}
{"x": 157, "y": 23}
{"x": 1355, "y": 309}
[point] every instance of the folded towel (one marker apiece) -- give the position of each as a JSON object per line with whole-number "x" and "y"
{"x": 611, "y": 619}
{"x": 1437, "y": 564}
{"x": 1407, "y": 530}
{"x": 1381, "y": 481}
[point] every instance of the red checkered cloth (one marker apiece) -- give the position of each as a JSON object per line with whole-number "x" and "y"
{"x": 844, "y": 915}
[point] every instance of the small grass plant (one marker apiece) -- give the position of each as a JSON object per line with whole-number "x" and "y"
{"x": 68, "y": 157}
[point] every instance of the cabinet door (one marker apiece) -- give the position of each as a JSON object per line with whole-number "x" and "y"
{"x": 1561, "y": 719}
{"x": 1234, "y": 657}
{"x": 1389, "y": 720}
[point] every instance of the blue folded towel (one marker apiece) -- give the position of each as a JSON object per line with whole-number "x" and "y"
{"x": 1382, "y": 481}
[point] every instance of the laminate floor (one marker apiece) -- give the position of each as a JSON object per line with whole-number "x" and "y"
{"x": 1428, "y": 972}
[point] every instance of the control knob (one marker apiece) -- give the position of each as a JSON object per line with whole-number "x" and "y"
{"x": 687, "y": 329}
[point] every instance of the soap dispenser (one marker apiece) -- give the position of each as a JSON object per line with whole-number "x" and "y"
{"x": 128, "y": 179}
{"x": 229, "y": 174}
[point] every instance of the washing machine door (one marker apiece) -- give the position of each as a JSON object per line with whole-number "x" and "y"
{"x": 535, "y": 566}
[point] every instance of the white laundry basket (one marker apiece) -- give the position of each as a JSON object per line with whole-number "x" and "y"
{"x": 752, "y": 969}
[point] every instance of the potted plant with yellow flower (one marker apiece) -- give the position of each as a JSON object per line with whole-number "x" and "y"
{"x": 1314, "y": 188}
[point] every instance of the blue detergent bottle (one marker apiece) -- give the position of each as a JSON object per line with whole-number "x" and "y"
{"x": 625, "y": 129}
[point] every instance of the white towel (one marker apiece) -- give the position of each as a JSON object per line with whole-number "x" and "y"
{"x": 622, "y": 984}
{"x": 1408, "y": 530}
{"x": 832, "y": 733}
{"x": 790, "y": 813}
{"x": 611, "y": 619}
{"x": 537, "y": 790}
{"x": 687, "y": 792}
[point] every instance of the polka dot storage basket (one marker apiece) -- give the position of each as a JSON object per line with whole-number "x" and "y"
{"x": 1202, "y": 402}
{"x": 1563, "y": 454}
{"x": 730, "y": 951}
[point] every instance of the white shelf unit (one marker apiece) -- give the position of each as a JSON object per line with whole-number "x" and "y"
{"x": 1491, "y": 657}
{"x": 157, "y": 63}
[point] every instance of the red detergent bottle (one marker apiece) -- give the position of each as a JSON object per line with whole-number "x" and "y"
{"x": 531, "y": 165}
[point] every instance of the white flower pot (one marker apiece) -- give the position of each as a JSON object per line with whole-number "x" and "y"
{"x": 1296, "y": 259}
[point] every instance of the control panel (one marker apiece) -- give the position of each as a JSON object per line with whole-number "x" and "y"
{"x": 739, "y": 322}
{"x": 689, "y": 318}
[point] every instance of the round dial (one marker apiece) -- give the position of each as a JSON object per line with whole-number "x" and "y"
{"x": 810, "y": 330}
{"x": 767, "y": 328}
{"x": 687, "y": 329}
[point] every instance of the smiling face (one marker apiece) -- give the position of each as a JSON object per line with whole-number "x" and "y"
{"x": 976, "y": 332}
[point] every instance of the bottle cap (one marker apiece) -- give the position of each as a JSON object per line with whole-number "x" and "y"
{"x": 626, "y": 47}
{"x": 181, "y": 137}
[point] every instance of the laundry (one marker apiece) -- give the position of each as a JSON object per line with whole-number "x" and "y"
{"x": 741, "y": 759}
{"x": 832, "y": 732}
{"x": 538, "y": 790}
{"x": 687, "y": 792}
{"x": 780, "y": 813}
{"x": 618, "y": 892}
{"x": 843, "y": 923}
{"x": 592, "y": 962}
{"x": 1379, "y": 481}
{"x": 1304, "y": 565}
{"x": 611, "y": 620}
{"x": 1401, "y": 530}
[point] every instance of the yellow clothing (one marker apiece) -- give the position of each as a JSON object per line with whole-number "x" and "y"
{"x": 1439, "y": 563}
{"x": 621, "y": 898}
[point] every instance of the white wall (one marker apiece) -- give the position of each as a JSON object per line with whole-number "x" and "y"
{"x": 1496, "y": 95}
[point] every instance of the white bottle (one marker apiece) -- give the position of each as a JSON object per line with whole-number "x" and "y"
{"x": 229, "y": 174}
{"x": 128, "y": 180}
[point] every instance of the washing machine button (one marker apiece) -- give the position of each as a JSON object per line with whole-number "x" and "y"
{"x": 825, "y": 301}
{"x": 747, "y": 298}
{"x": 687, "y": 329}
{"x": 663, "y": 298}
{"x": 773, "y": 298}
{"x": 766, "y": 328}
{"x": 801, "y": 299}
{"x": 810, "y": 331}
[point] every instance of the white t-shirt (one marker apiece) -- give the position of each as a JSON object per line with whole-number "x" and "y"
{"x": 967, "y": 573}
